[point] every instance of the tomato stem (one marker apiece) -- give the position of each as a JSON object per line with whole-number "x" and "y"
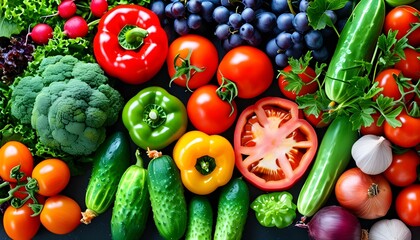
{"x": 185, "y": 69}
{"x": 227, "y": 91}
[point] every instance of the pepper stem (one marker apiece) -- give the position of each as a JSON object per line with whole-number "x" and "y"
{"x": 205, "y": 164}
{"x": 139, "y": 159}
{"x": 132, "y": 37}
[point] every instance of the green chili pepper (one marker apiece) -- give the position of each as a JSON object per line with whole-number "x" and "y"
{"x": 274, "y": 209}
{"x": 154, "y": 118}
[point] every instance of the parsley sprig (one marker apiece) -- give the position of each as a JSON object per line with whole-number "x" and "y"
{"x": 366, "y": 98}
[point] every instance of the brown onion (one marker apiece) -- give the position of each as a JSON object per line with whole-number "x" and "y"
{"x": 366, "y": 196}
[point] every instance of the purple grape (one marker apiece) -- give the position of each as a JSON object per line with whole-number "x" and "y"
{"x": 222, "y": 31}
{"x": 207, "y": 8}
{"x": 158, "y": 7}
{"x": 271, "y": 48}
{"x": 252, "y": 3}
{"x": 313, "y": 39}
{"x": 194, "y": 21}
{"x": 235, "y": 20}
{"x": 281, "y": 60}
{"x": 181, "y": 26}
{"x": 178, "y": 9}
{"x": 296, "y": 51}
{"x": 248, "y": 15}
{"x": 284, "y": 40}
{"x": 285, "y": 21}
{"x": 301, "y": 22}
{"x": 221, "y": 14}
{"x": 279, "y": 6}
{"x": 331, "y": 14}
{"x": 246, "y": 31}
{"x": 256, "y": 39}
{"x": 232, "y": 41}
{"x": 303, "y": 5}
{"x": 296, "y": 37}
{"x": 265, "y": 21}
{"x": 321, "y": 54}
{"x": 194, "y": 6}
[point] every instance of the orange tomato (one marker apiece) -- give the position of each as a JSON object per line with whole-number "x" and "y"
{"x": 52, "y": 176}
{"x": 12, "y": 154}
{"x": 19, "y": 224}
{"x": 61, "y": 214}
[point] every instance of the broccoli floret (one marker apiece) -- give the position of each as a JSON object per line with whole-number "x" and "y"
{"x": 73, "y": 116}
{"x": 23, "y": 97}
{"x": 91, "y": 73}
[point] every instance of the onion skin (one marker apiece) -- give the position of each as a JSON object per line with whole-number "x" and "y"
{"x": 366, "y": 196}
{"x": 332, "y": 223}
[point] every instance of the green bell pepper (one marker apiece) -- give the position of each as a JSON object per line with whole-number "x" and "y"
{"x": 154, "y": 118}
{"x": 274, "y": 209}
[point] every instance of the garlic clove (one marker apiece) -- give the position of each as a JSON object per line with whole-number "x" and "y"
{"x": 372, "y": 154}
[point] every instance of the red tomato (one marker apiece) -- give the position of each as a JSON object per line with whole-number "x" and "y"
{"x": 249, "y": 68}
{"x": 273, "y": 146}
{"x": 52, "y": 176}
{"x": 407, "y": 205}
{"x": 410, "y": 66}
{"x": 408, "y": 135}
{"x": 403, "y": 169}
{"x": 60, "y": 214}
{"x": 200, "y": 66}
{"x": 208, "y": 112}
{"x": 316, "y": 121}
{"x": 400, "y": 18}
{"x": 373, "y": 129}
{"x": 19, "y": 224}
{"x": 388, "y": 80}
{"x": 12, "y": 154}
{"x": 306, "y": 77}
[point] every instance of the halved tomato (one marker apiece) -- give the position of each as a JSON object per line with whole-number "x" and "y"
{"x": 273, "y": 146}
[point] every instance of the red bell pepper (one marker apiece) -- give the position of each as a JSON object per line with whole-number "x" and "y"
{"x": 130, "y": 43}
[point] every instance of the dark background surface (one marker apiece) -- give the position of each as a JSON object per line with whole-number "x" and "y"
{"x": 100, "y": 227}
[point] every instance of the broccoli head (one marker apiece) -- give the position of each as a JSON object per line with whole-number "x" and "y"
{"x": 52, "y": 69}
{"x": 73, "y": 116}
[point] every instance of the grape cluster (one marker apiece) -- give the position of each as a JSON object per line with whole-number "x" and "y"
{"x": 294, "y": 35}
{"x": 242, "y": 22}
{"x": 186, "y": 15}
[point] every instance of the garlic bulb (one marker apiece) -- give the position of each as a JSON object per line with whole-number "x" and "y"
{"x": 372, "y": 154}
{"x": 389, "y": 229}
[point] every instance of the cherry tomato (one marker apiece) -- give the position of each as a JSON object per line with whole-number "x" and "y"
{"x": 61, "y": 214}
{"x": 249, "y": 68}
{"x": 408, "y": 135}
{"x": 400, "y": 18}
{"x": 407, "y": 205}
{"x": 208, "y": 112}
{"x": 52, "y": 176}
{"x": 273, "y": 146}
{"x": 388, "y": 80}
{"x": 403, "y": 169}
{"x": 201, "y": 65}
{"x": 306, "y": 77}
{"x": 14, "y": 153}
{"x": 19, "y": 224}
{"x": 373, "y": 129}
{"x": 410, "y": 66}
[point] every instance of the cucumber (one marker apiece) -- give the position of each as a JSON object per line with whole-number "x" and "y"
{"x": 357, "y": 43}
{"x": 200, "y": 219}
{"x": 232, "y": 210}
{"x": 167, "y": 198}
{"x": 132, "y": 204}
{"x": 109, "y": 163}
{"x": 333, "y": 156}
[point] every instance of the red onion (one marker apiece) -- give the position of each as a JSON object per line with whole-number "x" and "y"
{"x": 332, "y": 223}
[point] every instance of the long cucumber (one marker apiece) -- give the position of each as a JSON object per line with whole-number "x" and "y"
{"x": 332, "y": 159}
{"x": 356, "y": 44}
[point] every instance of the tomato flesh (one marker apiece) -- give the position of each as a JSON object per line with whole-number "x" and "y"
{"x": 273, "y": 146}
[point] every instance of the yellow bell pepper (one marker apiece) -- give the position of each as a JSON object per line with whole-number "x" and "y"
{"x": 206, "y": 162}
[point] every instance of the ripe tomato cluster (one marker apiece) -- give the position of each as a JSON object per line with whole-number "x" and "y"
{"x": 35, "y": 194}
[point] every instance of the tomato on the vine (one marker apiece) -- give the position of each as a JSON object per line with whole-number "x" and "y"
{"x": 410, "y": 66}
{"x": 408, "y": 135}
{"x": 307, "y": 77}
{"x": 273, "y": 146}
{"x": 192, "y": 61}
{"x": 403, "y": 169}
{"x": 249, "y": 68}
{"x": 388, "y": 80}
{"x": 60, "y": 214}
{"x": 401, "y": 18}
{"x": 407, "y": 205}
{"x": 373, "y": 128}
{"x": 12, "y": 154}
{"x": 208, "y": 112}
{"x": 52, "y": 176}
{"x": 19, "y": 224}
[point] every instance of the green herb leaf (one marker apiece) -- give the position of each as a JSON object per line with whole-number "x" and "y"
{"x": 316, "y": 12}
{"x": 7, "y": 28}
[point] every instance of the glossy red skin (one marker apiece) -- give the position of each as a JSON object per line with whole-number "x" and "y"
{"x": 403, "y": 169}
{"x": 132, "y": 67}
{"x": 203, "y": 55}
{"x": 273, "y": 141}
{"x": 386, "y": 80}
{"x": 407, "y": 205}
{"x": 410, "y": 66}
{"x": 316, "y": 121}
{"x": 306, "y": 77}
{"x": 373, "y": 129}
{"x": 98, "y": 7}
{"x": 408, "y": 135}
{"x": 19, "y": 224}
{"x": 249, "y": 68}
{"x": 400, "y": 18}
{"x": 208, "y": 112}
